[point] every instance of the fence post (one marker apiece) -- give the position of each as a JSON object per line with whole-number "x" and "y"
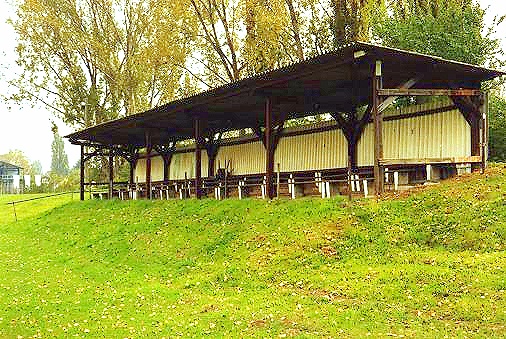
{"x": 14, "y": 207}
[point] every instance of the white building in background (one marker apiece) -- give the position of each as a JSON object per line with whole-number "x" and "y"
{"x": 10, "y": 176}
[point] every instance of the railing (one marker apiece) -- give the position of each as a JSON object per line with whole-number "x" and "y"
{"x": 324, "y": 183}
{"x": 321, "y": 183}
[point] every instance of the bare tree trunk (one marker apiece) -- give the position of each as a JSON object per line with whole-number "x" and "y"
{"x": 339, "y": 7}
{"x": 295, "y": 29}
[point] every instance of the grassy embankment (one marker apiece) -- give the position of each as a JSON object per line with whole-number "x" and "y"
{"x": 431, "y": 264}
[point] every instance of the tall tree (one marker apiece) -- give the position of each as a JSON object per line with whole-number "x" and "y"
{"x": 241, "y": 37}
{"x": 497, "y": 128}
{"x": 351, "y": 19}
{"x": 92, "y": 60}
{"x": 218, "y": 39}
{"x": 36, "y": 167}
{"x": 59, "y": 159}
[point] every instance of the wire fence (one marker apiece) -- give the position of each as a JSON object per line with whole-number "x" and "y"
{"x": 13, "y": 203}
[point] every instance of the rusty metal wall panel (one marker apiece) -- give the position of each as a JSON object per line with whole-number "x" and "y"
{"x": 365, "y": 147}
{"x": 185, "y": 162}
{"x": 181, "y": 163}
{"x": 244, "y": 158}
{"x": 156, "y": 169}
{"x": 457, "y": 132}
{"x": 431, "y": 136}
{"x": 140, "y": 171}
{"x": 438, "y": 135}
{"x": 323, "y": 150}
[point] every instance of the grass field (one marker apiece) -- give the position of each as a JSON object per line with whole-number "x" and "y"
{"x": 30, "y": 209}
{"x": 427, "y": 265}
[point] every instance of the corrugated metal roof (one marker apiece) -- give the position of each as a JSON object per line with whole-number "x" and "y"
{"x": 318, "y": 84}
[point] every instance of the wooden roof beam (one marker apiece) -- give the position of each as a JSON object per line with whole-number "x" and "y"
{"x": 428, "y": 92}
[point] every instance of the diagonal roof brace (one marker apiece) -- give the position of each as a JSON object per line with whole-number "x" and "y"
{"x": 388, "y": 101}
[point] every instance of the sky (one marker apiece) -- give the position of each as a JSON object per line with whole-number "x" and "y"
{"x": 28, "y": 128}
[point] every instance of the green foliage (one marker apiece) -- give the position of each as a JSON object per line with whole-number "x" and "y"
{"x": 90, "y": 61}
{"x": 18, "y": 158}
{"x": 54, "y": 182}
{"x": 59, "y": 159}
{"x": 449, "y": 29}
{"x": 36, "y": 167}
{"x": 352, "y": 19}
{"x": 428, "y": 265}
{"x": 497, "y": 128}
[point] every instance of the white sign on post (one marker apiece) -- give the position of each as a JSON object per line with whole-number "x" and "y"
{"x": 27, "y": 178}
{"x": 15, "y": 181}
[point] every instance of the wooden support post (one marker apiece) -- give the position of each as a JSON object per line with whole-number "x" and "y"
{"x": 484, "y": 130}
{"x": 352, "y": 128}
{"x": 278, "y": 173}
{"x": 475, "y": 134}
{"x": 197, "y": 134}
{"x": 166, "y": 164}
{"x": 475, "y": 123}
{"x": 81, "y": 184}
{"x": 212, "y": 147}
{"x": 211, "y": 160}
{"x": 378, "y": 126}
{"x": 351, "y": 151}
{"x": 111, "y": 172}
{"x": 470, "y": 107}
{"x": 149, "y": 148}
{"x": 166, "y": 152}
{"x": 269, "y": 144}
{"x": 132, "y": 172}
{"x": 167, "y": 159}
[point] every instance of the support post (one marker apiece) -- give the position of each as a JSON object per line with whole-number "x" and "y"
{"x": 81, "y": 184}
{"x": 132, "y": 172}
{"x": 149, "y": 148}
{"x": 475, "y": 134}
{"x": 269, "y": 144}
{"x": 484, "y": 130}
{"x": 278, "y": 174}
{"x": 167, "y": 159}
{"x": 351, "y": 139}
{"x": 475, "y": 121}
{"x": 378, "y": 128}
{"x": 132, "y": 157}
{"x": 111, "y": 172}
{"x": 166, "y": 152}
{"x": 198, "y": 157}
{"x": 350, "y": 194}
{"x": 471, "y": 109}
{"x": 212, "y": 147}
{"x": 210, "y": 165}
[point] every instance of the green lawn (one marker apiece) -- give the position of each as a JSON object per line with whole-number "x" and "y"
{"x": 30, "y": 209}
{"x": 427, "y": 265}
